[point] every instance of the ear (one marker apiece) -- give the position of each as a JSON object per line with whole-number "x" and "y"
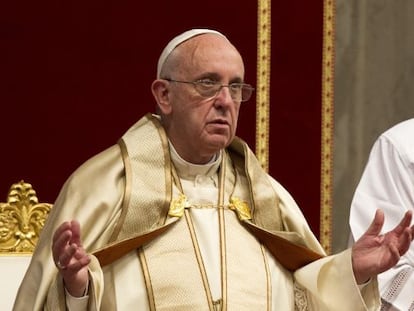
{"x": 161, "y": 92}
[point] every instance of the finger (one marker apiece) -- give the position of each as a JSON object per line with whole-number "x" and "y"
{"x": 65, "y": 257}
{"x": 405, "y": 241}
{"x": 76, "y": 238}
{"x": 61, "y": 244}
{"x": 376, "y": 224}
{"x": 81, "y": 260}
{"x": 395, "y": 254}
{"x": 404, "y": 223}
{"x": 62, "y": 228}
{"x": 78, "y": 265}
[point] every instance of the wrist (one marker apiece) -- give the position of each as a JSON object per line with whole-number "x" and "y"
{"x": 77, "y": 291}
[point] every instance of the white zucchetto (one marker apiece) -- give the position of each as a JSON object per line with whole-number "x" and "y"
{"x": 177, "y": 41}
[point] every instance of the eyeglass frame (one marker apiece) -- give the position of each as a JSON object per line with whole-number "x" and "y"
{"x": 200, "y": 82}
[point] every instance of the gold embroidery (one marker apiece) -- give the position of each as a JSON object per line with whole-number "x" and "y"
{"x": 208, "y": 205}
{"x": 178, "y": 205}
{"x": 301, "y": 301}
{"x": 241, "y": 207}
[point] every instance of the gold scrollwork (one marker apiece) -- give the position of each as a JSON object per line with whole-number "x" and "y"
{"x": 21, "y": 219}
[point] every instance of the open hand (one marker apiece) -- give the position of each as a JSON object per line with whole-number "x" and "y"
{"x": 70, "y": 257}
{"x": 374, "y": 253}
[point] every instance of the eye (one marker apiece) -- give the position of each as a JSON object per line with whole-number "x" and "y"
{"x": 236, "y": 87}
{"x": 206, "y": 83}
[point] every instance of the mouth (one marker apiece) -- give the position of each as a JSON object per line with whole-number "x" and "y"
{"x": 218, "y": 127}
{"x": 219, "y": 122}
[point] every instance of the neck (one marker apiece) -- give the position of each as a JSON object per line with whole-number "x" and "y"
{"x": 193, "y": 158}
{"x": 196, "y": 161}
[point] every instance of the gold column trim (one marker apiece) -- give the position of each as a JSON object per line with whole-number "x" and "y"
{"x": 263, "y": 83}
{"x": 327, "y": 124}
{"x": 263, "y": 106}
{"x": 22, "y": 219}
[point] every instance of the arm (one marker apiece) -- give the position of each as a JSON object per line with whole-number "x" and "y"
{"x": 96, "y": 208}
{"x": 388, "y": 184}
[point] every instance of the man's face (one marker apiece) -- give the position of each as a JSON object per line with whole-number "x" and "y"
{"x": 199, "y": 126}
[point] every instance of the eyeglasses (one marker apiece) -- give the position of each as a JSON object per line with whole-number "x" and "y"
{"x": 240, "y": 92}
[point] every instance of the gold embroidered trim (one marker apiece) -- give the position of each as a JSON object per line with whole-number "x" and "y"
{"x": 268, "y": 278}
{"x": 179, "y": 207}
{"x": 190, "y": 225}
{"x": 127, "y": 191}
{"x": 181, "y": 203}
{"x": 209, "y": 205}
{"x": 223, "y": 248}
{"x": 327, "y": 125}
{"x": 150, "y": 291}
{"x": 241, "y": 208}
{"x": 263, "y": 83}
{"x": 301, "y": 302}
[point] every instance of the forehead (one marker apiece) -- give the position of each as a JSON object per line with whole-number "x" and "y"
{"x": 210, "y": 53}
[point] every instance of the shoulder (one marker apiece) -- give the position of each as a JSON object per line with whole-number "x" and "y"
{"x": 400, "y": 137}
{"x": 401, "y": 131}
{"x": 101, "y": 163}
{"x": 98, "y": 172}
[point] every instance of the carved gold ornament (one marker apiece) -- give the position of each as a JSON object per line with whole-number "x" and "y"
{"x": 21, "y": 219}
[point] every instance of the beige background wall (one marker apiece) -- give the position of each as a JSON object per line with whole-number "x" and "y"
{"x": 374, "y": 89}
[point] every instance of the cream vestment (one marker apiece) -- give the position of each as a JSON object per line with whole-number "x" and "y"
{"x": 387, "y": 183}
{"x": 207, "y": 260}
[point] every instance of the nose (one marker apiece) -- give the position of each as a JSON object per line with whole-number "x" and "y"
{"x": 223, "y": 97}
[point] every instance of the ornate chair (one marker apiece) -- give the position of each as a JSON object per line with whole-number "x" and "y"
{"x": 22, "y": 218}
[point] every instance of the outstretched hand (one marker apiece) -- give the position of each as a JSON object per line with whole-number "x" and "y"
{"x": 70, "y": 257}
{"x": 374, "y": 253}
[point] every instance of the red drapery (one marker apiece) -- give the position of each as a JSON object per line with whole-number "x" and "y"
{"x": 75, "y": 75}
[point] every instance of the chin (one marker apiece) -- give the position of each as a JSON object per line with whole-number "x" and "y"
{"x": 218, "y": 145}
{"x": 218, "y": 142}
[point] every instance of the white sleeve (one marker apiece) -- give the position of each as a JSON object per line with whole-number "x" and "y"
{"x": 387, "y": 183}
{"x": 76, "y": 303}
